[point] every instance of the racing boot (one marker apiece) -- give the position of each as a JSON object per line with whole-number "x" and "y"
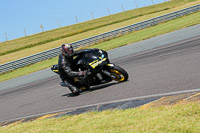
{"x": 72, "y": 88}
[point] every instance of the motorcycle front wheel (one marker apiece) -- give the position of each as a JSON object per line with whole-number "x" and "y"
{"x": 118, "y": 74}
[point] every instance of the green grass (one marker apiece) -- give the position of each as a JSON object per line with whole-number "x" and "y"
{"x": 123, "y": 40}
{"x": 28, "y": 69}
{"x": 19, "y": 48}
{"x": 151, "y": 32}
{"x": 181, "y": 118}
{"x": 61, "y": 33}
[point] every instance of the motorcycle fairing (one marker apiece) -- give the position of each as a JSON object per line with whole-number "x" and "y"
{"x": 54, "y": 68}
{"x": 97, "y": 62}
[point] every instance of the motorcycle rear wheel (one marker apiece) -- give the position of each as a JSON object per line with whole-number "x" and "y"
{"x": 118, "y": 74}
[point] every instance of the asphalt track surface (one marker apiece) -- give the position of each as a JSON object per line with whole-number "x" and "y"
{"x": 167, "y": 68}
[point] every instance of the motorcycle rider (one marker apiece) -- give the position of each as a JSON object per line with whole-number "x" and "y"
{"x": 65, "y": 67}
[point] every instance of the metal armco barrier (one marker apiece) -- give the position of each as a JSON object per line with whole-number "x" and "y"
{"x": 95, "y": 39}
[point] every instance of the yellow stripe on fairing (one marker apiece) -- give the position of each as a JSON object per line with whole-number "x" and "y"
{"x": 96, "y": 63}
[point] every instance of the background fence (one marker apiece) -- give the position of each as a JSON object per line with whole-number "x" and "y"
{"x": 98, "y": 38}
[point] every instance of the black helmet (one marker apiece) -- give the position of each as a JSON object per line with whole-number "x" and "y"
{"x": 67, "y": 50}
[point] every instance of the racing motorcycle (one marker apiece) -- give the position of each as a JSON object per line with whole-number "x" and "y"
{"x": 98, "y": 67}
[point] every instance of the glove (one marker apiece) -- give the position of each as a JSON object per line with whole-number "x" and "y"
{"x": 83, "y": 73}
{"x": 88, "y": 73}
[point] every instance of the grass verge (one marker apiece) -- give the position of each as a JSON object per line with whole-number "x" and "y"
{"x": 163, "y": 28}
{"x": 26, "y": 46}
{"x": 28, "y": 69}
{"x": 165, "y": 119}
{"x": 150, "y": 32}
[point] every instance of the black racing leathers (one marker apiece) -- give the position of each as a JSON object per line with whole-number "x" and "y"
{"x": 66, "y": 72}
{"x": 66, "y": 69}
{"x": 65, "y": 65}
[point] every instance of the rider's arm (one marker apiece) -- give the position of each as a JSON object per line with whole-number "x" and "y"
{"x": 64, "y": 64}
{"x": 83, "y": 51}
{"x": 79, "y": 52}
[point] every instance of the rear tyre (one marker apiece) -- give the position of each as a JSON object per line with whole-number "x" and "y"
{"x": 118, "y": 74}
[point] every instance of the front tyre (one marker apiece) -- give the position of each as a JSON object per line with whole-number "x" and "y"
{"x": 118, "y": 74}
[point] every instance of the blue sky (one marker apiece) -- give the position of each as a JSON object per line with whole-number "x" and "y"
{"x": 17, "y": 15}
